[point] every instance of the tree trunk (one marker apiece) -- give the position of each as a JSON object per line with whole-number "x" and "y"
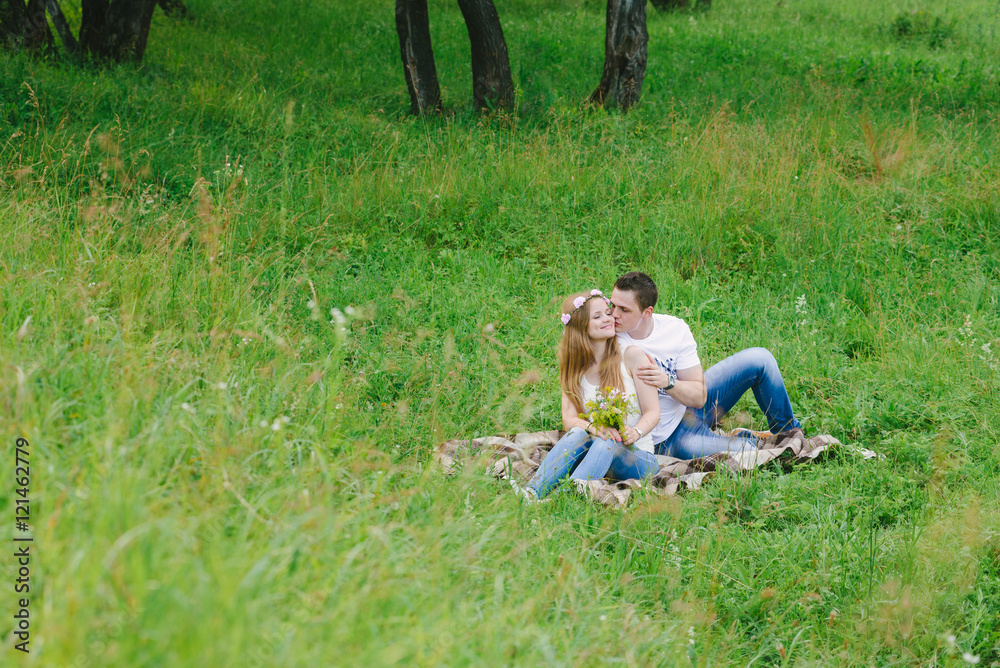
{"x": 116, "y": 30}
{"x": 62, "y": 27}
{"x": 418, "y": 58}
{"x": 492, "y": 86}
{"x": 624, "y": 54}
{"x": 24, "y": 27}
{"x": 667, "y": 5}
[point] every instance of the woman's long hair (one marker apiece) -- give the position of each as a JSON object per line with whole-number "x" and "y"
{"x": 576, "y": 353}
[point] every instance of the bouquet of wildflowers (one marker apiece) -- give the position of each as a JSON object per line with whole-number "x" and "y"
{"x": 609, "y": 409}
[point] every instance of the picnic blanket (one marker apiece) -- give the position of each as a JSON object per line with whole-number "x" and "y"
{"x": 517, "y": 458}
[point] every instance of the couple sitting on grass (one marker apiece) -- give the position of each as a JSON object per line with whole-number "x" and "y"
{"x": 653, "y": 360}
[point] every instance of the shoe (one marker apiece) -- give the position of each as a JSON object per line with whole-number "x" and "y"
{"x": 527, "y": 493}
{"x": 747, "y": 434}
{"x": 788, "y": 435}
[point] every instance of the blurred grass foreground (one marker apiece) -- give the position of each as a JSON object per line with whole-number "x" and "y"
{"x": 244, "y": 295}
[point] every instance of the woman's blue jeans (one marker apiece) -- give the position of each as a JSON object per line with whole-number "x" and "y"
{"x": 752, "y": 369}
{"x": 585, "y": 457}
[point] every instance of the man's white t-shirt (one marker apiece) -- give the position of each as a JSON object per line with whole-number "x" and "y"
{"x": 673, "y": 347}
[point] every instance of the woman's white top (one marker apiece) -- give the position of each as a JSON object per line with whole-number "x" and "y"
{"x": 632, "y": 419}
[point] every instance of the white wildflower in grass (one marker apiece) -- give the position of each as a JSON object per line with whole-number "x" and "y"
{"x": 285, "y": 419}
{"x": 801, "y": 306}
{"x": 276, "y": 425}
{"x": 950, "y": 639}
{"x": 221, "y": 385}
{"x": 802, "y": 309}
{"x": 970, "y": 658}
{"x": 339, "y": 320}
{"x": 187, "y": 407}
{"x": 966, "y": 339}
{"x": 673, "y": 553}
{"x": 987, "y": 356}
{"x": 965, "y": 332}
{"x": 311, "y": 304}
{"x": 262, "y": 424}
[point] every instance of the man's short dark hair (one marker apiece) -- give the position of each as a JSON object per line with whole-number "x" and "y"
{"x": 643, "y": 287}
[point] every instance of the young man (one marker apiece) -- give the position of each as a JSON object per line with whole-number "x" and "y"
{"x": 692, "y": 400}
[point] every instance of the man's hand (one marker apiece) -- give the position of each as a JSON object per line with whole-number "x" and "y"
{"x": 652, "y": 374}
{"x": 689, "y": 384}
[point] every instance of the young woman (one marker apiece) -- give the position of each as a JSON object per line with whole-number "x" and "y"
{"x": 589, "y": 357}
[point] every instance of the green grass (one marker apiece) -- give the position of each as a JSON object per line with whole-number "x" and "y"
{"x": 818, "y": 178}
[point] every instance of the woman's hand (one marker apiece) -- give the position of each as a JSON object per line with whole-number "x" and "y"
{"x": 631, "y": 436}
{"x": 607, "y": 433}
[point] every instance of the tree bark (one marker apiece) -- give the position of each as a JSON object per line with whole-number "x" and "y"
{"x": 24, "y": 26}
{"x": 624, "y": 54}
{"x": 62, "y": 27}
{"x": 414, "y": 32}
{"x": 667, "y": 5}
{"x": 116, "y": 30}
{"x": 492, "y": 86}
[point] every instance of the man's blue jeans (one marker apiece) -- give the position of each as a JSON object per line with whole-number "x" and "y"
{"x": 584, "y": 457}
{"x": 751, "y": 369}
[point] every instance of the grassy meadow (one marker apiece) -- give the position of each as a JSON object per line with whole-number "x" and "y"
{"x": 244, "y": 295}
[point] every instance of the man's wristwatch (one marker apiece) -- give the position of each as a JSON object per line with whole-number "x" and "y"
{"x": 673, "y": 381}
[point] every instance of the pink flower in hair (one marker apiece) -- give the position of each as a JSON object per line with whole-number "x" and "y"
{"x": 578, "y": 302}
{"x": 565, "y": 318}
{"x": 595, "y": 292}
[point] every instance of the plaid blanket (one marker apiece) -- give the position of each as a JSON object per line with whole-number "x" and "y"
{"x": 518, "y": 457}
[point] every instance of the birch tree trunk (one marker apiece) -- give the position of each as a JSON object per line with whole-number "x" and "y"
{"x": 624, "y": 54}
{"x": 413, "y": 29}
{"x": 492, "y": 86}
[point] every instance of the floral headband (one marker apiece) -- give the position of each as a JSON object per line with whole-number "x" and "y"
{"x": 580, "y": 301}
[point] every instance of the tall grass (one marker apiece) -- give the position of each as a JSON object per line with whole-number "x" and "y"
{"x": 227, "y": 471}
